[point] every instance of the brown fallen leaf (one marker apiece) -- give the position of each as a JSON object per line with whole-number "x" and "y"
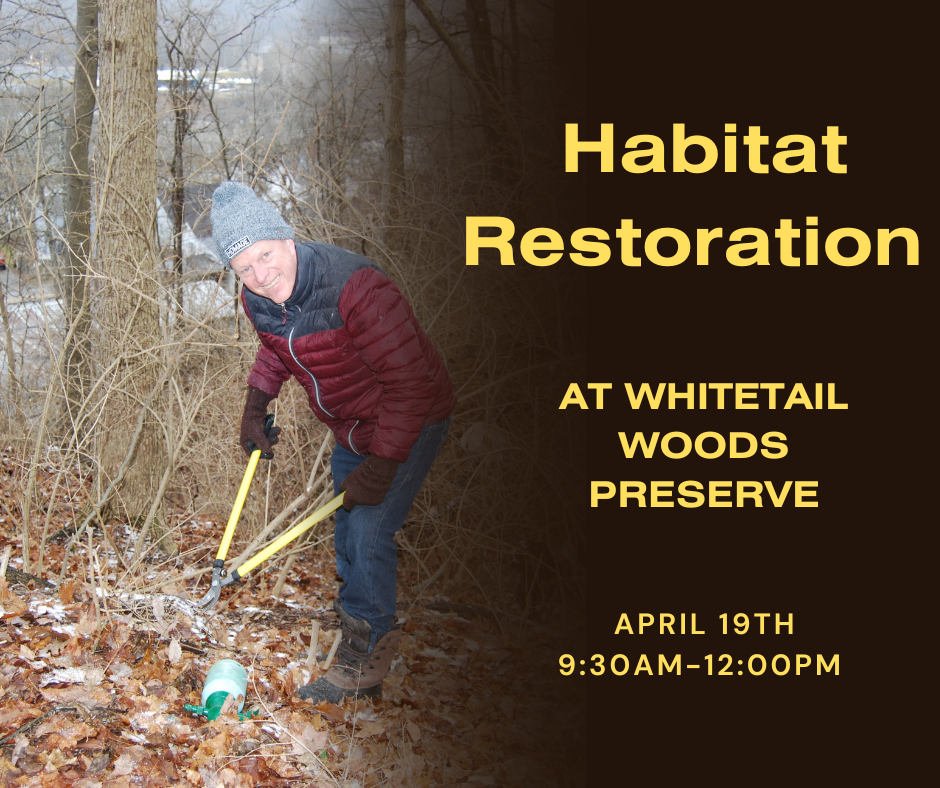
{"x": 128, "y": 760}
{"x": 230, "y": 705}
{"x": 283, "y": 768}
{"x": 67, "y": 592}
{"x": 331, "y": 711}
{"x": 305, "y": 738}
{"x": 14, "y": 717}
{"x": 68, "y": 730}
{"x": 255, "y": 769}
{"x": 99, "y": 763}
{"x": 76, "y": 693}
{"x": 19, "y": 748}
{"x": 369, "y": 728}
{"x": 215, "y": 747}
{"x": 56, "y": 761}
{"x": 287, "y": 683}
{"x": 87, "y": 782}
{"x": 87, "y": 621}
{"x": 409, "y": 768}
{"x": 178, "y": 733}
{"x": 168, "y": 769}
{"x": 10, "y": 603}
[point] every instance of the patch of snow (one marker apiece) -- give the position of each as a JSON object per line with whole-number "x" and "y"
{"x": 56, "y": 611}
{"x": 67, "y": 676}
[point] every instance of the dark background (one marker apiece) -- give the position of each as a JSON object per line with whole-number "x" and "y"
{"x": 856, "y": 571}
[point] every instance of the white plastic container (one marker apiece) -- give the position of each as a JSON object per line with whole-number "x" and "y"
{"x": 226, "y": 677}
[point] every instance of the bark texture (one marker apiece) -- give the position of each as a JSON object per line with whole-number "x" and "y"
{"x": 78, "y": 211}
{"x": 129, "y": 351}
{"x": 395, "y": 121}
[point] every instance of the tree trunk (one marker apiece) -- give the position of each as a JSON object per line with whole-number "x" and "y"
{"x": 484, "y": 62}
{"x": 177, "y": 196}
{"x": 125, "y": 163}
{"x": 502, "y": 138}
{"x": 396, "y": 42}
{"x": 78, "y": 213}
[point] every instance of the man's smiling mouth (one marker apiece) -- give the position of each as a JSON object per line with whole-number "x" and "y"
{"x": 268, "y": 287}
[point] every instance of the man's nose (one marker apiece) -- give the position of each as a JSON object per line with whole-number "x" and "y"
{"x": 262, "y": 273}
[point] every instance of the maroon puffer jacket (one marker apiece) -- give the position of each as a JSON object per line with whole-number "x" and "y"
{"x": 351, "y": 340}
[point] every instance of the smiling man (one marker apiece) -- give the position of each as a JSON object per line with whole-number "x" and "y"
{"x": 268, "y": 268}
{"x": 336, "y": 323}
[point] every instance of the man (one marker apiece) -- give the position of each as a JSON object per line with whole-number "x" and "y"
{"x": 333, "y": 321}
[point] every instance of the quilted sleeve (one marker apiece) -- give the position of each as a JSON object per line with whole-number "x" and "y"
{"x": 268, "y": 373}
{"x": 386, "y": 335}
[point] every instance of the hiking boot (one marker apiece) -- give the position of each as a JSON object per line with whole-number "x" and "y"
{"x": 360, "y": 629}
{"x": 355, "y": 673}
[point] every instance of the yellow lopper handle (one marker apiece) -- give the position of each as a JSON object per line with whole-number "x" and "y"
{"x": 239, "y": 503}
{"x": 289, "y": 536}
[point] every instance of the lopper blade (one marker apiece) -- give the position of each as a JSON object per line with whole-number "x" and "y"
{"x": 215, "y": 588}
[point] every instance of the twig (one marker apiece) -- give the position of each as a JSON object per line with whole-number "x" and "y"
{"x": 268, "y": 151}
{"x": 272, "y": 719}
{"x": 91, "y": 577}
{"x": 440, "y": 570}
{"x": 333, "y": 649}
{"x": 35, "y": 721}
{"x": 312, "y": 651}
{"x": 49, "y": 511}
{"x": 115, "y": 483}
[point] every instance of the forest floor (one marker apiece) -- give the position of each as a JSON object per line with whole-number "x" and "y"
{"x": 94, "y": 678}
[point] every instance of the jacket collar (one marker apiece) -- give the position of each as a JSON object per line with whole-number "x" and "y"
{"x": 306, "y": 274}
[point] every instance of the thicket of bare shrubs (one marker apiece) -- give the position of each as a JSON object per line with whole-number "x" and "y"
{"x": 494, "y": 523}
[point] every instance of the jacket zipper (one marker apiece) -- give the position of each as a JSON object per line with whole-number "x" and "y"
{"x": 316, "y": 385}
{"x": 350, "y": 440}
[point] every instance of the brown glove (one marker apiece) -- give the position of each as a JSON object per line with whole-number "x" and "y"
{"x": 257, "y": 431}
{"x": 369, "y": 483}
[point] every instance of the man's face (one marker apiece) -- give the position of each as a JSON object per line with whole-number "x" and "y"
{"x": 268, "y": 268}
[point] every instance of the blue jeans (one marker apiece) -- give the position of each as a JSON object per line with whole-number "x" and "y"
{"x": 366, "y": 553}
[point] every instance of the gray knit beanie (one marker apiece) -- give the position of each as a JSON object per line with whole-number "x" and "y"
{"x": 239, "y": 218}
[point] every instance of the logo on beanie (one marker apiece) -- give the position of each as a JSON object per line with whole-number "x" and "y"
{"x": 235, "y": 248}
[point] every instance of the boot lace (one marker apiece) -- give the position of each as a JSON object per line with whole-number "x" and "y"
{"x": 351, "y": 660}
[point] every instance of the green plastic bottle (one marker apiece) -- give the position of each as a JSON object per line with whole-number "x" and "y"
{"x": 226, "y": 677}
